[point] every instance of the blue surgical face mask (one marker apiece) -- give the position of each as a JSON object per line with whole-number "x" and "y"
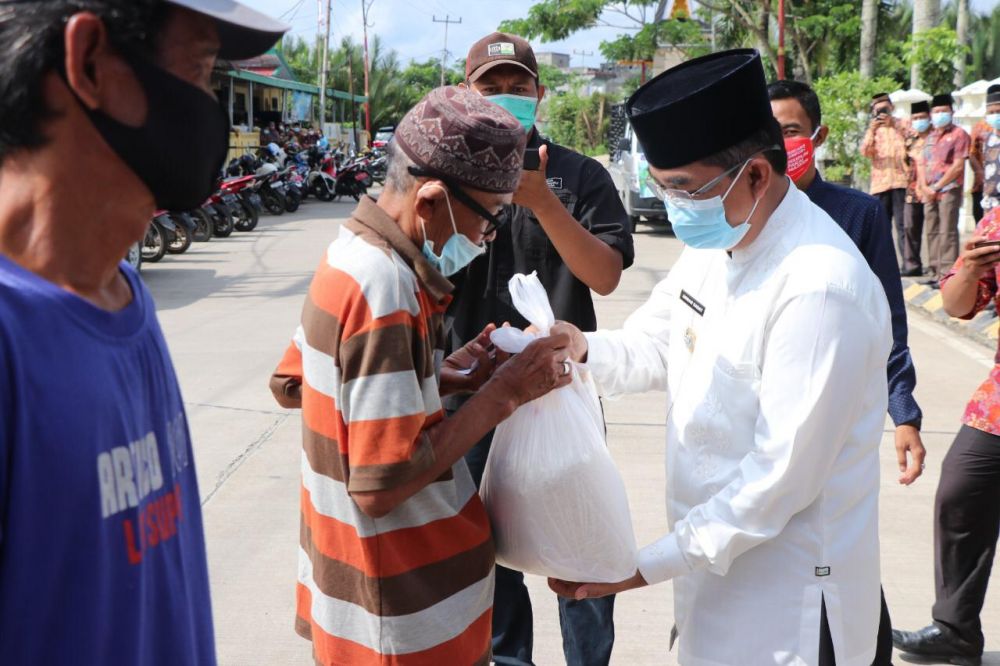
{"x": 702, "y": 223}
{"x": 922, "y": 124}
{"x": 994, "y": 120}
{"x": 941, "y": 119}
{"x": 457, "y": 252}
{"x": 522, "y": 108}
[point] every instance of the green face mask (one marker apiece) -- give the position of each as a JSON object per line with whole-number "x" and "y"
{"x": 522, "y": 108}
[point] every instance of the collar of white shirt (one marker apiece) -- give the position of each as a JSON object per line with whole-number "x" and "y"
{"x": 787, "y": 211}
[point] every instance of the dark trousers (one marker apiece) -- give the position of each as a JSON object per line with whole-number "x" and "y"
{"x": 941, "y": 223}
{"x": 977, "y": 205}
{"x": 883, "y": 647}
{"x": 966, "y": 526}
{"x": 588, "y": 627}
{"x": 894, "y": 202}
{"x": 913, "y": 232}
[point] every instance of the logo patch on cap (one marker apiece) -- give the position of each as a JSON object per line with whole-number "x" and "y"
{"x": 500, "y": 49}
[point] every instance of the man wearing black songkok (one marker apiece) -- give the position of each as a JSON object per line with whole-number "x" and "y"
{"x": 770, "y": 336}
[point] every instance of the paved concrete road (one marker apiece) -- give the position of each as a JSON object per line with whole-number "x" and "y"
{"x": 228, "y": 308}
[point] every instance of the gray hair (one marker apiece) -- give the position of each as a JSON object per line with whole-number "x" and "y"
{"x": 397, "y": 172}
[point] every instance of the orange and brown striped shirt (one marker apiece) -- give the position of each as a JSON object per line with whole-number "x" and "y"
{"x": 414, "y": 587}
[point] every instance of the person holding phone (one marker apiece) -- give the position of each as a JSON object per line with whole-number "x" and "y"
{"x": 885, "y": 145}
{"x": 967, "y": 504}
{"x": 566, "y": 223}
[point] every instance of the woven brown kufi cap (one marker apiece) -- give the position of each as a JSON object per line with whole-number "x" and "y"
{"x": 458, "y": 135}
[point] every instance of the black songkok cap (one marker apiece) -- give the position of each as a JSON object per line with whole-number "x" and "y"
{"x": 920, "y": 107}
{"x": 700, "y": 107}
{"x": 944, "y": 99}
{"x": 993, "y": 94}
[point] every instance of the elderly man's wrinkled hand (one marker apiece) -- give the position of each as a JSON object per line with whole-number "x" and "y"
{"x": 540, "y": 368}
{"x": 470, "y": 366}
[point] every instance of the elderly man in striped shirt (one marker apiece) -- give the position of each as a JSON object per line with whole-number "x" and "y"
{"x": 396, "y": 557}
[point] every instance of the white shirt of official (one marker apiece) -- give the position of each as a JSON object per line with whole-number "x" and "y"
{"x": 773, "y": 360}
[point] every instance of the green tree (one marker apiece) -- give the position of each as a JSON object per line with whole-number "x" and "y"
{"x": 844, "y": 98}
{"x": 933, "y": 52}
{"x": 552, "y": 20}
{"x": 301, "y": 58}
{"x": 551, "y": 77}
{"x": 578, "y": 121}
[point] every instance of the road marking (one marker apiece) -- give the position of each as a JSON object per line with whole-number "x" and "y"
{"x": 971, "y": 350}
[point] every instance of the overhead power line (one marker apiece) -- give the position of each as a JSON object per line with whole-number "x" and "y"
{"x": 444, "y": 52}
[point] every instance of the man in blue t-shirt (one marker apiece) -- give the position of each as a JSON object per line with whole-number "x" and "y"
{"x": 106, "y": 113}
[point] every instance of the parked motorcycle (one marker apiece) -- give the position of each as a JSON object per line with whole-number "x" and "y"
{"x": 272, "y": 190}
{"x": 159, "y": 234}
{"x": 134, "y": 256}
{"x": 219, "y": 207}
{"x": 377, "y": 168}
{"x": 320, "y": 178}
{"x": 202, "y": 232}
{"x": 180, "y": 238}
{"x": 353, "y": 180}
{"x": 293, "y": 193}
{"x": 242, "y": 195}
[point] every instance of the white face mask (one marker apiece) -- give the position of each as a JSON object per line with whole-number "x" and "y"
{"x": 457, "y": 252}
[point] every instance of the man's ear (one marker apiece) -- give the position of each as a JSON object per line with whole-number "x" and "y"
{"x": 820, "y": 139}
{"x": 541, "y": 92}
{"x": 760, "y": 175}
{"x": 428, "y": 197}
{"x": 85, "y": 40}
{"x": 97, "y": 75}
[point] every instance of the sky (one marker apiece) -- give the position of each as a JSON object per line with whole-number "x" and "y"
{"x": 407, "y": 25}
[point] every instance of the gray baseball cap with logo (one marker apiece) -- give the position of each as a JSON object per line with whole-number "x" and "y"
{"x": 243, "y": 32}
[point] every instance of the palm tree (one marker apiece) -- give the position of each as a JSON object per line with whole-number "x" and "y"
{"x": 869, "y": 33}
{"x": 962, "y": 31}
{"x": 926, "y": 14}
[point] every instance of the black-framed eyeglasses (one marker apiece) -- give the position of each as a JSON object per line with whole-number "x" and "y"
{"x": 681, "y": 197}
{"x": 492, "y": 221}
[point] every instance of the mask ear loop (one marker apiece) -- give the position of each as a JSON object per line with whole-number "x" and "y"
{"x": 451, "y": 214}
{"x": 733, "y": 184}
{"x": 735, "y": 180}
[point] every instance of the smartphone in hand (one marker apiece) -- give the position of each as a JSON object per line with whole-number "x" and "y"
{"x": 532, "y": 161}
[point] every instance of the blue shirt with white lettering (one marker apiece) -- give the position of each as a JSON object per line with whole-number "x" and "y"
{"x": 102, "y": 552}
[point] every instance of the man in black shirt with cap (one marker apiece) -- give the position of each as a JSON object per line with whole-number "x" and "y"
{"x": 568, "y": 225}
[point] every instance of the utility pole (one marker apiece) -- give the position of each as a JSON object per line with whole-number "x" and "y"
{"x": 365, "y": 6}
{"x": 583, "y": 56}
{"x": 323, "y": 68}
{"x": 781, "y": 39}
{"x": 444, "y": 51}
{"x": 319, "y": 43}
{"x": 350, "y": 91}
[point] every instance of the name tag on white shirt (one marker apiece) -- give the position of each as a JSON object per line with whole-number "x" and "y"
{"x": 692, "y": 303}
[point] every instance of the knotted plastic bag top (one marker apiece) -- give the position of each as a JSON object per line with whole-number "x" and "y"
{"x": 530, "y": 299}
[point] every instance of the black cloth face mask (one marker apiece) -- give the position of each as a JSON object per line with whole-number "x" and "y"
{"x": 179, "y": 150}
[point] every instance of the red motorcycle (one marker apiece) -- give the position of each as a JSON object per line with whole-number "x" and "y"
{"x": 352, "y": 179}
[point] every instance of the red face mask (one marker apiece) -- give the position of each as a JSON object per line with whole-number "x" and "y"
{"x": 800, "y": 154}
